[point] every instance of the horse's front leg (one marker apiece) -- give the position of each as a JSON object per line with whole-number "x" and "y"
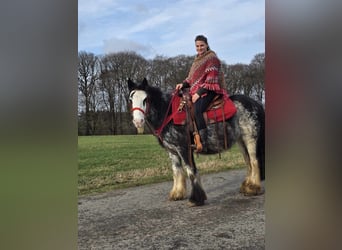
{"x": 197, "y": 196}
{"x": 178, "y": 191}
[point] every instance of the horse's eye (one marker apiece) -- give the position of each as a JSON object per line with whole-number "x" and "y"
{"x": 144, "y": 101}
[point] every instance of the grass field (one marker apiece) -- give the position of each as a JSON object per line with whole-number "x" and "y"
{"x": 111, "y": 162}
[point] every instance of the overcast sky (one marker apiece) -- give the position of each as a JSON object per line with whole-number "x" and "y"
{"x": 235, "y": 28}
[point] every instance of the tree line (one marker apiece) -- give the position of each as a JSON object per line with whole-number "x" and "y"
{"x": 102, "y": 85}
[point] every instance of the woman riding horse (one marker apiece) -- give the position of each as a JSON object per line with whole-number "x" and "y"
{"x": 205, "y": 82}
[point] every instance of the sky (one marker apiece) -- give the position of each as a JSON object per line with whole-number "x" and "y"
{"x": 235, "y": 28}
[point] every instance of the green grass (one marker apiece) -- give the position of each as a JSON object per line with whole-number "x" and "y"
{"x": 111, "y": 162}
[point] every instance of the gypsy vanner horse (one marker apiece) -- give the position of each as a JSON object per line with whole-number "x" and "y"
{"x": 246, "y": 128}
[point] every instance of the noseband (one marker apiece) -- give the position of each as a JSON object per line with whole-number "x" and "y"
{"x": 139, "y": 109}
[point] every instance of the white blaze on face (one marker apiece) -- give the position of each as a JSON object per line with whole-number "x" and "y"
{"x": 139, "y": 104}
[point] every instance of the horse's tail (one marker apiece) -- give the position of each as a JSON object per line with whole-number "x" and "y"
{"x": 260, "y": 150}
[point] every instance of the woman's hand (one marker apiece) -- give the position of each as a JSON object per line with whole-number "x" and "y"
{"x": 195, "y": 97}
{"x": 179, "y": 86}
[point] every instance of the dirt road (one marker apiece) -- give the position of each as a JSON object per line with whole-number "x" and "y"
{"x": 143, "y": 218}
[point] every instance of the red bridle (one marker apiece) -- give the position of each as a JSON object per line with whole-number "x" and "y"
{"x": 137, "y": 108}
{"x": 166, "y": 120}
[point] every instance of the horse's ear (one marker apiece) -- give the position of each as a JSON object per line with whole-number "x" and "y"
{"x": 131, "y": 84}
{"x": 144, "y": 83}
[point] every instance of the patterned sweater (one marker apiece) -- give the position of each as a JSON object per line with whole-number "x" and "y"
{"x": 205, "y": 74}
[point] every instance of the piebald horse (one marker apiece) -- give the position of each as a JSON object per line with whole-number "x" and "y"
{"x": 246, "y": 128}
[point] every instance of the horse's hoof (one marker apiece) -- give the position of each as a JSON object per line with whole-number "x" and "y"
{"x": 251, "y": 190}
{"x": 177, "y": 196}
{"x": 195, "y": 203}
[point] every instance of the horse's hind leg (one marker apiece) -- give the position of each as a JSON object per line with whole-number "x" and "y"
{"x": 178, "y": 191}
{"x": 251, "y": 185}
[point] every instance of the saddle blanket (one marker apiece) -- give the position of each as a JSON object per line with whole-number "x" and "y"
{"x": 215, "y": 114}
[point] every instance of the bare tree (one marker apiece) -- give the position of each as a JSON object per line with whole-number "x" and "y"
{"x": 247, "y": 79}
{"x": 87, "y": 76}
{"x": 234, "y": 78}
{"x": 257, "y": 72}
{"x": 115, "y": 69}
{"x": 167, "y": 72}
{"x": 180, "y": 66}
{"x": 159, "y": 71}
{"x": 103, "y": 93}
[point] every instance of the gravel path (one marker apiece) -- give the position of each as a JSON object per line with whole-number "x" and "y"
{"x": 143, "y": 218}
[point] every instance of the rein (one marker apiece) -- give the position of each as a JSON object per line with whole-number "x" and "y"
{"x": 167, "y": 119}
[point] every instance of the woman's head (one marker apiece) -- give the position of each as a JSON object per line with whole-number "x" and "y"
{"x": 201, "y": 43}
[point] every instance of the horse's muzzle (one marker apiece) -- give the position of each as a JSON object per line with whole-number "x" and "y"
{"x": 139, "y": 123}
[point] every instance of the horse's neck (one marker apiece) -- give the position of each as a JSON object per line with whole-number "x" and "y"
{"x": 158, "y": 111}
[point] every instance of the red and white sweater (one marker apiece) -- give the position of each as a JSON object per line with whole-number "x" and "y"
{"x": 205, "y": 74}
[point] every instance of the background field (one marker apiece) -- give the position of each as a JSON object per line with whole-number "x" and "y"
{"x": 111, "y": 162}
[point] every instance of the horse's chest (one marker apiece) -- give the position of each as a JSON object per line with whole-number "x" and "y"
{"x": 170, "y": 143}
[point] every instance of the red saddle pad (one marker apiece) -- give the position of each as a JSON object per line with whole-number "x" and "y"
{"x": 213, "y": 115}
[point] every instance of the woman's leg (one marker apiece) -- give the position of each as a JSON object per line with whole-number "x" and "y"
{"x": 200, "y": 107}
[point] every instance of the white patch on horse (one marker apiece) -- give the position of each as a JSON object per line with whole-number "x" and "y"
{"x": 139, "y": 104}
{"x": 178, "y": 191}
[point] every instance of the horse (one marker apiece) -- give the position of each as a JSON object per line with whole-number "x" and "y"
{"x": 246, "y": 128}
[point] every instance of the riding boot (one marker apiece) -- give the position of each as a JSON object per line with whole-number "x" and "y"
{"x": 204, "y": 136}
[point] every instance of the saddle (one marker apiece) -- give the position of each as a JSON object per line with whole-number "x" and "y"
{"x": 219, "y": 110}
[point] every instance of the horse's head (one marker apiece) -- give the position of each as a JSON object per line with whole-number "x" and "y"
{"x": 138, "y": 100}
